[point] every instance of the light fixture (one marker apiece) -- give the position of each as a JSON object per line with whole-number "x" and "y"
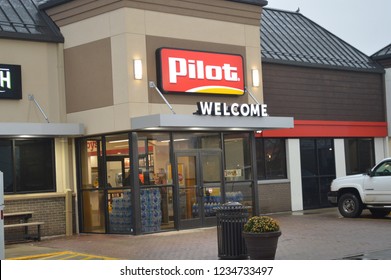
{"x": 255, "y": 77}
{"x": 138, "y": 69}
{"x": 118, "y": 141}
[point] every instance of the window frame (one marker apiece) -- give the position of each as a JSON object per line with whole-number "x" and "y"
{"x": 358, "y": 157}
{"x": 264, "y": 164}
{"x": 16, "y": 189}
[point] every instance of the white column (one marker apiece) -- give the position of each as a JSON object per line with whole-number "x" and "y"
{"x": 294, "y": 173}
{"x": 380, "y": 149}
{"x": 339, "y": 154}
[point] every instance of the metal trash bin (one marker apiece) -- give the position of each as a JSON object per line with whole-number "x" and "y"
{"x": 231, "y": 218}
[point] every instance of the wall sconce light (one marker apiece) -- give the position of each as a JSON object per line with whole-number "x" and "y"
{"x": 255, "y": 77}
{"x": 138, "y": 69}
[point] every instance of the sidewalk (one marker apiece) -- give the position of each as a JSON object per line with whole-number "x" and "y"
{"x": 320, "y": 234}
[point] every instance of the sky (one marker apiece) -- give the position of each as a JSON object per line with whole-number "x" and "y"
{"x": 366, "y": 25}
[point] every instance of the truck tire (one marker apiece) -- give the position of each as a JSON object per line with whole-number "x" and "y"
{"x": 379, "y": 213}
{"x": 349, "y": 205}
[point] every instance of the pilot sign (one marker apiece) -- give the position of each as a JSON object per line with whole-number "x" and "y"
{"x": 189, "y": 71}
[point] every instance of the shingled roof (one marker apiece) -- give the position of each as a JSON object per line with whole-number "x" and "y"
{"x": 22, "y": 19}
{"x": 291, "y": 38}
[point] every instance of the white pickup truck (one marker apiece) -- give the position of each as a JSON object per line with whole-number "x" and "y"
{"x": 371, "y": 190}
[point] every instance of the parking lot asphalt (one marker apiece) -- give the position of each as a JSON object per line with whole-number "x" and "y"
{"x": 321, "y": 234}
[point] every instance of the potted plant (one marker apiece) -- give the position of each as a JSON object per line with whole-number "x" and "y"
{"x": 261, "y": 235}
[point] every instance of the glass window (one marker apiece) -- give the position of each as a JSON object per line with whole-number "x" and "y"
{"x": 117, "y": 145}
{"x": 326, "y": 156}
{"x": 6, "y": 165}
{"x": 93, "y": 211}
{"x": 117, "y": 161}
{"x": 239, "y": 192}
{"x": 309, "y": 160}
{"x": 383, "y": 170}
{"x": 30, "y": 162}
{"x": 188, "y": 141}
{"x": 156, "y": 197}
{"x": 271, "y": 158}
{"x": 91, "y": 162}
{"x": 157, "y": 208}
{"x": 359, "y": 154}
{"x": 237, "y": 157}
{"x": 154, "y": 158}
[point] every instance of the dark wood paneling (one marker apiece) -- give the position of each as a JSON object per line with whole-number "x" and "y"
{"x": 322, "y": 94}
{"x": 385, "y": 62}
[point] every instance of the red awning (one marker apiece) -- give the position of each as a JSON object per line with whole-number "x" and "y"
{"x": 335, "y": 129}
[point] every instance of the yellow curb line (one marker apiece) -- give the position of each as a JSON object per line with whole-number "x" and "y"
{"x": 48, "y": 255}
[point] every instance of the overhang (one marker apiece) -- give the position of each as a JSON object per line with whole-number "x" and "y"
{"x": 177, "y": 122}
{"x": 41, "y": 129}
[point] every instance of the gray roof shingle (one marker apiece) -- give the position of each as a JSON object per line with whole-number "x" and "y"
{"x": 22, "y": 19}
{"x": 291, "y": 38}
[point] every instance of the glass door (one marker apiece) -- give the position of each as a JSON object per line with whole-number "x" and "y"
{"x": 199, "y": 178}
{"x": 317, "y": 171}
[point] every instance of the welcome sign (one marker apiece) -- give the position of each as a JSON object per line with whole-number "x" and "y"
{"x": 234, "y": 109}
{"x": 189, "y": 71}
{"x": 10, "y": 81}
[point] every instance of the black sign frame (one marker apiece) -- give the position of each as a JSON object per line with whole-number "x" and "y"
{"x": 10, "y": 81}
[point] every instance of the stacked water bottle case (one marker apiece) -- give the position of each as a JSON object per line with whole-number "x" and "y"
{"x": 151, "y": 213}
{"x": 121, "y": 214}
{"x": 212, "y": 202}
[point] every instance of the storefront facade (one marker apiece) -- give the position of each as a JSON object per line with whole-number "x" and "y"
{"x": 383, "y": 57}
{"x": 336, "y": 95}
{"x": 169, "y": 144}
{"x": 151, "y": 115}
{"x": 155, "y": 194}
{"x": 36, "y": 142}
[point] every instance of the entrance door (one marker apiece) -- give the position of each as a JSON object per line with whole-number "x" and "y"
{"x": 200, "y": 189}
{"x": 317, "y": 171}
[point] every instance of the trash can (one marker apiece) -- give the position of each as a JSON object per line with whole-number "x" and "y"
{"x": 231, "y": 218}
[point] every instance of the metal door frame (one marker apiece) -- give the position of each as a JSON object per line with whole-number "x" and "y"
{"x": 202, "y": 220}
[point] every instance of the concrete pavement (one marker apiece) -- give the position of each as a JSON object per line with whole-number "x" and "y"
{"x": 320, "y": 234}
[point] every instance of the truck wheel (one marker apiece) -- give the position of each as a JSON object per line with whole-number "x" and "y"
{"x": 350, "y": 206}
{"x": 379, "y": 213}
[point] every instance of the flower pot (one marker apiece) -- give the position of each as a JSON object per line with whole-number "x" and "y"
{"x": 261, "y": 246}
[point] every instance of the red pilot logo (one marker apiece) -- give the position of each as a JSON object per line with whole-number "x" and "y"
{"x": 200, "y": 72}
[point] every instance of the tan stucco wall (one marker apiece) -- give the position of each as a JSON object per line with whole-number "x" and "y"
{"x": 128, "y": 30}
{"x": 42, "y": 76}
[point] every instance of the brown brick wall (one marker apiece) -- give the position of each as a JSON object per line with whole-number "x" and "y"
{"x": 274, "y": 197}
{"x": 49, "y": 210}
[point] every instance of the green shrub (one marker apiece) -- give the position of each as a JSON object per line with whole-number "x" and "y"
{"x": 259, "y": 224}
